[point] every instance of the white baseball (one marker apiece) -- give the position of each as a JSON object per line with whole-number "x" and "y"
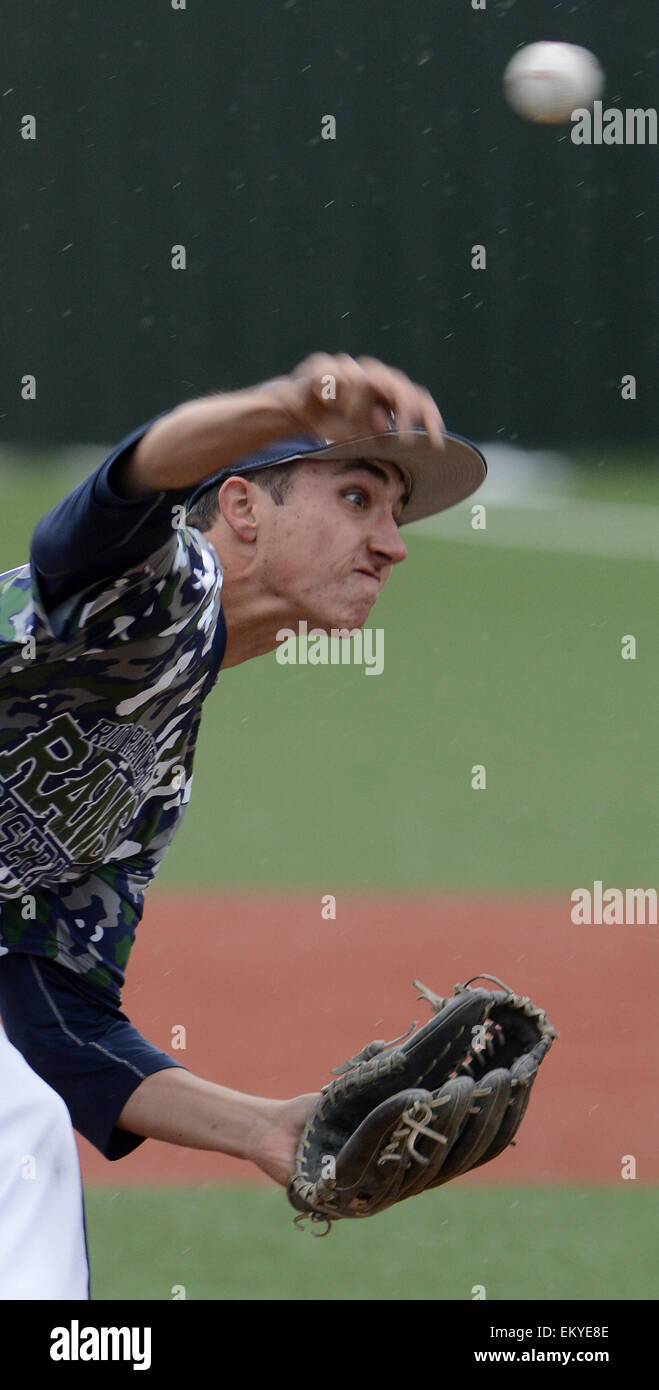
{"x": 546, "y": 81}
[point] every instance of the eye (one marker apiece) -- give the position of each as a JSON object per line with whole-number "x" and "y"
{"x": 358, "y": 492}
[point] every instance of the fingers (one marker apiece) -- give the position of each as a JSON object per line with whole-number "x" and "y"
{"x": 362, "y": 395}
{"x": 357, "y": 397}
{"x": 412, "y": 405}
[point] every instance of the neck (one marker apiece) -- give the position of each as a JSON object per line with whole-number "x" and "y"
{"x": 253, "y": 617}
{"x": 250, "y": 631}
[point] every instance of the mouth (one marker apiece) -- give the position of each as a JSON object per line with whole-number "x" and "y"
{"x": 369, "y": 574}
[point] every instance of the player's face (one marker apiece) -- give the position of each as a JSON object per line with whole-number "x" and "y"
{"x": 332, "y": 545}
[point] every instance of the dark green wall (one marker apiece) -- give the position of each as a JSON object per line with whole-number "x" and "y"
{"x": 203, "y": 127}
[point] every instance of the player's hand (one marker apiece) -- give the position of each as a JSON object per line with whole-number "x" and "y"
{"x": 342, "y": 397}
{"x": 275, "y": 1142}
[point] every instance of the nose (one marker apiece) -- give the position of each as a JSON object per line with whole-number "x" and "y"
{"x": 388, "y": 542}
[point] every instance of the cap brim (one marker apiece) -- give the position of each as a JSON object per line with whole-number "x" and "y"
{"x": 440, "y": 477}
{"x": 436, "y": 478}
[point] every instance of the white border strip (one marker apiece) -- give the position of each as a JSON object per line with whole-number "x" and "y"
{"x": 606, "y": 529}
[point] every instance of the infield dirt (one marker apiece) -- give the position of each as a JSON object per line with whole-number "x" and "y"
{"x": 271, "y": 996}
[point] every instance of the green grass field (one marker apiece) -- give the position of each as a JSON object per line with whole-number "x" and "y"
{"x": 498, "y": 655}
{"x": 239, "y": 1244}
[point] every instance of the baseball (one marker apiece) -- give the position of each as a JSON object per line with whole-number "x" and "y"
{"x": 545, "y": 82}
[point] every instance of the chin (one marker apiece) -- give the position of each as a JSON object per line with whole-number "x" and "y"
{"x": 356, "y": 619}
{"x": 341, "y": 620}
{"x": 352, "y": 616}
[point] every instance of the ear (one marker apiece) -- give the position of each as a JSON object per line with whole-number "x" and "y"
{"x": 237, "y": 499}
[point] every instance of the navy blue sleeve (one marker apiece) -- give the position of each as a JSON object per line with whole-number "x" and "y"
{"x": 95, "y": 534}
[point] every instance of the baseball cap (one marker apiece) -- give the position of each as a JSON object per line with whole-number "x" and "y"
{"x": 436, "y": 478}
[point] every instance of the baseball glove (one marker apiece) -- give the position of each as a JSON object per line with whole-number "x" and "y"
{"x": 405, "y": 1116}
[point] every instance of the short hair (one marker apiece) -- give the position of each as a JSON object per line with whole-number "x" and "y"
{"x": 277, "y": 480}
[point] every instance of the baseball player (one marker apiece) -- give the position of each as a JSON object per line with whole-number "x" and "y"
{"x": 205, "y": 532}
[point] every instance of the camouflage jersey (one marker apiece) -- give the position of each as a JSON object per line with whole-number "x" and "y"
{"x": 110, "y": 639}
